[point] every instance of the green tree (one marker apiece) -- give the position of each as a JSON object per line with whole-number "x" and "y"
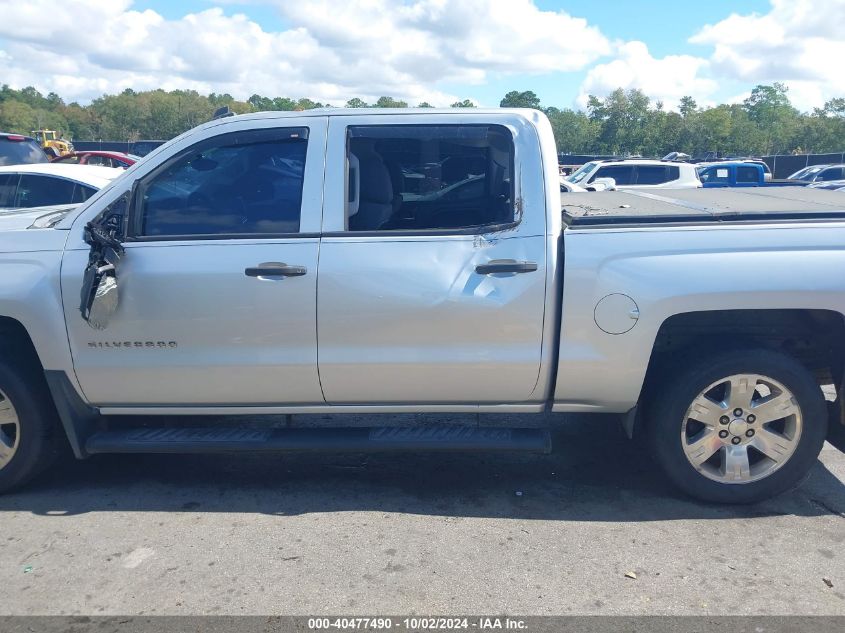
{"x": 516, "y": 99}
{"x": 574, "y": 132}
{"x": 466, "y": 103}
{"x": 307, "y": 104}
{"x": 769, "y": 108}
{"x": 390, "y": 102}
{"x": 284, "y": 104}
{"x": 687, "y": 106}
{"x": 355, "y": 102}
{"x": 259, "y": 103}
{"x": 424, "y": 104}
{"x": 16, "y": 116}
{"x": 621, "y": 122}
{"x": 81, "y": 121}
{"x": 622, "y": 118}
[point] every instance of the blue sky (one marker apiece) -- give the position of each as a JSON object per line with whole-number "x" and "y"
{"x": 433, "y": 50}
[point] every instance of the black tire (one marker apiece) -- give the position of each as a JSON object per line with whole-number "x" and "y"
{"x": 23, "y": 384}
{"x": 673, "y": 390}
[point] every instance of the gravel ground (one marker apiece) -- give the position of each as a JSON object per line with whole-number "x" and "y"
{"x": 416, "y": 534}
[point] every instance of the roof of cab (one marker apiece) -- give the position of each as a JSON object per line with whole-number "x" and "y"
{"x": 527, "y": 113}
{"x": 272, "y": 114}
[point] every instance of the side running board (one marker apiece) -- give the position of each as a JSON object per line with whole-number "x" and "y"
{"x": 373, "y": 439}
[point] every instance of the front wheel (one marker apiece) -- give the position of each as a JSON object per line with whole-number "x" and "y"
{"x": 736, "y": 427}
{"x": 28, "y": 423}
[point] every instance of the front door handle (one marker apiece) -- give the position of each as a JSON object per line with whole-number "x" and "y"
{"x": 505, "y": 266}
{"x": 275, "y": 269}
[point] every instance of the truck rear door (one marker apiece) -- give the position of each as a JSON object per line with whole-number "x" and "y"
{"x": 432, "y": 272}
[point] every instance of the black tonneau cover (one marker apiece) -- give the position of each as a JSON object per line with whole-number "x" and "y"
{"x": 693, "y": 206}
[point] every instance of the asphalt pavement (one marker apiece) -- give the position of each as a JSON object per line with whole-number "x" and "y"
{"x": 590, "y": 529}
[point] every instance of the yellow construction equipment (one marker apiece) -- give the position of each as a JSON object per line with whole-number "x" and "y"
{"x": 52, "y": 143}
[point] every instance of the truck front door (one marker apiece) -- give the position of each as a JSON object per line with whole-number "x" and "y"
{"x": 218, "y": 281}
{"x": 432, "y": 274}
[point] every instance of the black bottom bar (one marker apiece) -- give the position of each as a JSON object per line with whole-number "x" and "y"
{"x": 373, "y": 439}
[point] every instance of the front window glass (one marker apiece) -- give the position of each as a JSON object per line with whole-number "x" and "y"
{"x": 39, "y": 191}
{"x": 253, "y": 188}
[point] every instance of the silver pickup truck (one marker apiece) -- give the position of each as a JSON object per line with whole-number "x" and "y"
{"x": 371, "y": 261}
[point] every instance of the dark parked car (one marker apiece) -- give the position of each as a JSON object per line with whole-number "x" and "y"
{"x": 16, "y": 149}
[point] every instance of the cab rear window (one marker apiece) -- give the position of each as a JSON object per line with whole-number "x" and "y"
{"x": 23, "y": 152}
{"x": 429, "y": 177}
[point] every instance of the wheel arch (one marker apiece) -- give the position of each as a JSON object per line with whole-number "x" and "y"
{"x": 814, "y": 337}
{"x": 13, "y": 333}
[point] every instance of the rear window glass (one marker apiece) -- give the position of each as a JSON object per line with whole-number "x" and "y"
{"x": 422, "y": 177}
{"x": 747, "y": 174}
{"x": 622, "y": 174}
{"x": 656, "y": 174}
{"x": 21, "y": 152}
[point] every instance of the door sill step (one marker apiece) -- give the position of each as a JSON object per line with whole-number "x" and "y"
{"x": 367, "y": 440}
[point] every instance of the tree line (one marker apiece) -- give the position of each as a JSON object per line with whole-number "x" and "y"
{"x": 625, "y": 122}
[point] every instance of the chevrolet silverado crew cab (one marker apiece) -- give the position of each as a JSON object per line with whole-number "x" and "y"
{"x": 349, "y": 262}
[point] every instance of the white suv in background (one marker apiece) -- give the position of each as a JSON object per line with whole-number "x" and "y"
{"x": 638, "y": 174}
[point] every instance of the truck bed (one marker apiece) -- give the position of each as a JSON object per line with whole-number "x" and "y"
{"x": 692, "y": 206}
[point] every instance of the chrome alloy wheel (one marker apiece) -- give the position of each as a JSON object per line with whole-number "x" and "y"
{"x": 9, "y": 430}
{"x": 741, "y": 428}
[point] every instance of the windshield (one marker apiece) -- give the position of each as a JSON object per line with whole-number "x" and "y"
{"x": 581, "y": 173}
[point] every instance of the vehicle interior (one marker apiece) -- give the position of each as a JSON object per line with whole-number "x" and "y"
{"x": 429, "y": 177}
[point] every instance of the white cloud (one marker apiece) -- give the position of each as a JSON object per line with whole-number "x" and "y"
{"x": 798, "y": 42}
{"x": 664, "y": 79}
{"x": 332, "y": 49}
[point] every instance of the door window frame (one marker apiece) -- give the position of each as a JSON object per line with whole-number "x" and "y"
{"x": 528, "y": 179}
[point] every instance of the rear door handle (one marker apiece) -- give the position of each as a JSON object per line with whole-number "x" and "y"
{"x": 505, "y": 266}
{"x": 275, "y": 269}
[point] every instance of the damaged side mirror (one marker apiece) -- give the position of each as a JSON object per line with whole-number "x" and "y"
{"x": 99, "y": 295}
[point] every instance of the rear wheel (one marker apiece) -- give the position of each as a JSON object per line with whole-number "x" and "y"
{"x": 737, "y": 427}
{"x": 28, "y": 425}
